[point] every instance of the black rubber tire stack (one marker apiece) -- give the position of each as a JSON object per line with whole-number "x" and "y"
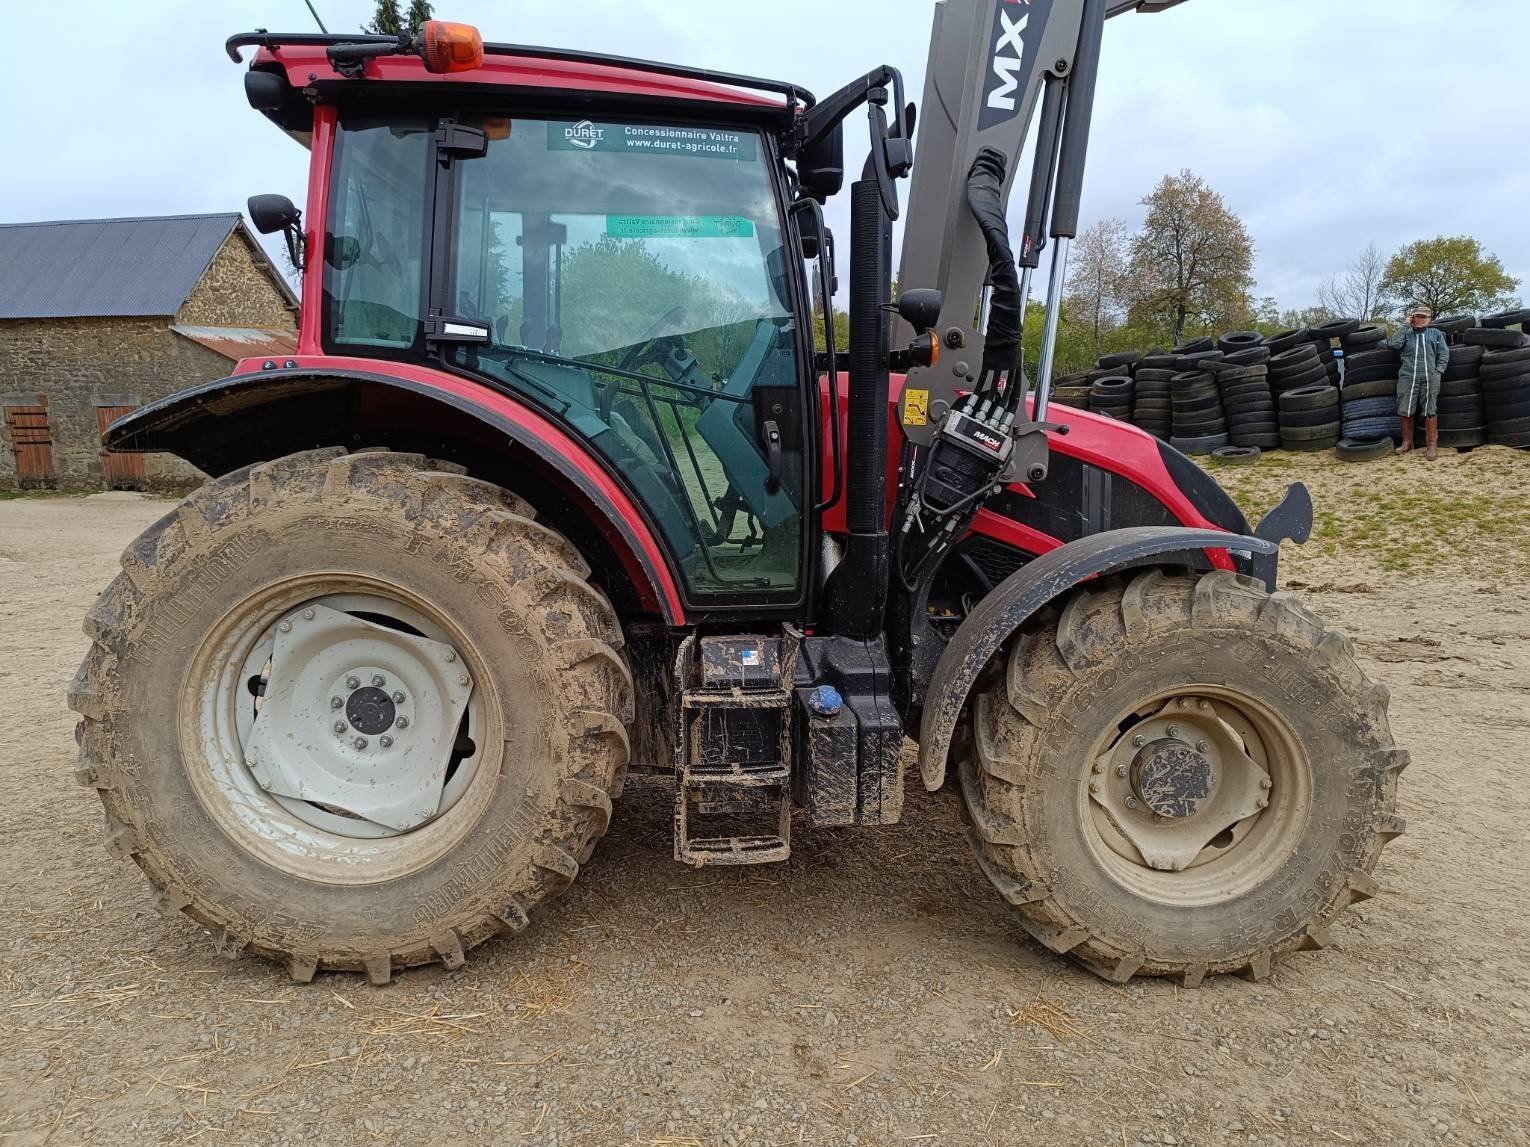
{"x": 1286, "y": 340}
{"x": 1505, "y": 379}
{"x": 1297, "y": 366}
{"x": 1152, "y": 408}
{"x": 1309, "y": 418}
{"x": 1368, "y": 401}
{"x": 1199, "y": 423}
{"x": 1454, "y": 326}
{"x": 1463, "y": 417}
{"x": 1324, "y": 337}
{"x": 1071, "y": 390}
{"x": 1248, "y": 404}
{"x": 1112, "y": 395}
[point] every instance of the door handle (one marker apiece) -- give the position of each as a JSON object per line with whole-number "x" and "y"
{"x": 773, "y": 458}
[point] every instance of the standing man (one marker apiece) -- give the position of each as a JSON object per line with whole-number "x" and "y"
{"x": 1425, "y": 356}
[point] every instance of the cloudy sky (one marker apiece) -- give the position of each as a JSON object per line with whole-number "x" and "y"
{"x": 1326, "y": 124}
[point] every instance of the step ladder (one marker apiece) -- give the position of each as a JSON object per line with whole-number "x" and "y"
{"x": 733, "y": 750}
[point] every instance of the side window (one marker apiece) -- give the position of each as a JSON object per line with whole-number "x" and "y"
{"x": 374, "y": 248}
{"x": 634, "y": 277}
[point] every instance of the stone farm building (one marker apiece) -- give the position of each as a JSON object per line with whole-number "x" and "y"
{"x": 98, "y": 316}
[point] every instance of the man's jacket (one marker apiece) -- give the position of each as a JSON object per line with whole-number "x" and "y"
{"x": 1425, "y": 354}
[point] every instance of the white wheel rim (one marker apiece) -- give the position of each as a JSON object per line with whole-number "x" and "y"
{"x": 314, "y": 838}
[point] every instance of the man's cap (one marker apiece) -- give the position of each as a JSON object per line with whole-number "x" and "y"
{"x": 1421, "y": 310}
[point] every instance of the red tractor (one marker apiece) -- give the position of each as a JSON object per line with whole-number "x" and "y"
{"x": 557, "y": 484}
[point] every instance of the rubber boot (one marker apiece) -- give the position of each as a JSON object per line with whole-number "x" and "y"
{"x": 1407, "y": 435}
{"x": 1431, "y": 439}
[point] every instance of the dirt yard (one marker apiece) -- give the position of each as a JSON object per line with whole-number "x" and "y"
{"x": 872, "y": 990}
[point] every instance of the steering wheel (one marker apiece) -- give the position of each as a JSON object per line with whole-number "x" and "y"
{"x": 665, "y": 326}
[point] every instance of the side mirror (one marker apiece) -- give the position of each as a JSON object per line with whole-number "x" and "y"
{"x": 919, "y": 307}
{"x": 808, "y": 216}
{"x": 821, "y": 167}
{"x": 272, "y": 213}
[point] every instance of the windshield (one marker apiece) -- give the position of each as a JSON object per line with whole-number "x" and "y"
{"x": 634, "y": 279}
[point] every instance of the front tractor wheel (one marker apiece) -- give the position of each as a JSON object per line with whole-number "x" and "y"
{"x": 353, "y": 712}
{"x": 1181, "y": 776}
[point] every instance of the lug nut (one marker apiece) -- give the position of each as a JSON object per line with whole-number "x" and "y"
{"x": 1186, "y": 703}
{"x": 308, "y": 615}
{"x": 451, "y": 655}
{"x": 1205, "y": 704}
{"x": 341, "y": 726}
{"x": 1202, "y": 746}
{"x": 353, "y": 682}
{"x": 335, "y": 702}
{"x": 463, "y": 679}
{"x": 1138, "y": 741}
{"x": 402, "y": 722}
{"x": 1131, "y": 802}
{"x": 1264, "y": 802}
{"x": 1121, "y": 770}
{"x": 1265, "y": 782}
{"x": 360, "y": 742}
{"x": 398, "y": 697}
{"x": 379, "y": 680}
{"x": 385, "y": 741}
{"x": 285, "y": 627}
{"x": 1173, "y": 730}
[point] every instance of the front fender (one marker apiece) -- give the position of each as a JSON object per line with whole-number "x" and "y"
{"x": 1018, "y": 597}
{"x": 259, "y": 414}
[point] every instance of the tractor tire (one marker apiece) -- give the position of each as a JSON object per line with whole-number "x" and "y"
{"x": 400, "y": 565}
{"x": 1040, "y": 777}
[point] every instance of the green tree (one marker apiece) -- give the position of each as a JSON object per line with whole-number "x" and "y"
{"x": 1097, "y": 277}
{"x": 386, "y": 21}
{"x": 419, "y": 12}
{"x": 1192, "y": 263}
{"x": 1448, "y": 274}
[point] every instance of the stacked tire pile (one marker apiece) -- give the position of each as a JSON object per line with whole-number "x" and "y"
{"x": 1197, "y": 420}
{"x": 1296, "y": 367}
{"x": 1368, "y": 400}
{"x": 1463, "y": 416}
{"x": 1505, "y": 377}
{"x": 1112, "y": 395}
{"x": 1071, "y": 390}
{"x": 1243, "y": 382}
{"x": 1309, "y": 417}
{"x": 1152, "y": 409}
{"x": 1322, "y": 338}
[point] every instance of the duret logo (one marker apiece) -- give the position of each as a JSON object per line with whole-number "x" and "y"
{"x": 1008, "y": 53}
{"x": 584, "y": 134}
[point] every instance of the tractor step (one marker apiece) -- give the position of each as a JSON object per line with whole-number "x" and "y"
{"x": 733, "y": 750}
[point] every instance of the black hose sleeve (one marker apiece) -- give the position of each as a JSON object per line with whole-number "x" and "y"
{"x": 985, "y": 198}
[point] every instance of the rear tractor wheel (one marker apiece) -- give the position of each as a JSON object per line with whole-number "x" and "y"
{"x": 1181, "y": 776}
{"x": 353, "y": 712}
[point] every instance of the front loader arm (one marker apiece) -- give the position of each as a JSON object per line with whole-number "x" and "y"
{"x": 989, "y": 62}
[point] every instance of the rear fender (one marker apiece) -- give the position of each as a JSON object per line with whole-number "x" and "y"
{"x": 261, "y": 413}
{"x": 1001, "y": 613}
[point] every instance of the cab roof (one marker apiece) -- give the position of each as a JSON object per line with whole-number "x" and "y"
{"x": 304, "y": 58}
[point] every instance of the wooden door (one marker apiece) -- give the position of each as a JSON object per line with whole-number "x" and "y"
{"x": 119, "y": 469}
{"x": 33, "y": 444}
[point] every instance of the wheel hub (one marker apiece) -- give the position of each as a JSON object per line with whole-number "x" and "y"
{"x": 369, "y": 710}
{"x": 1171, "y": 778}
{"x": 358, "y": 717}
{"x": 1177, "y": 781}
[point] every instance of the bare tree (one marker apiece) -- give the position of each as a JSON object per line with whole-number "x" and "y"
{"x": 1356, "y": 294}
{"x": 1192, "y": 260}
{"x": 1097, "y": 275}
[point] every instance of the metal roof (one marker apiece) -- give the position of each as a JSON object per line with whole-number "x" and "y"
{"x": 79, "y": 268}
{"x": 241, "y": 342}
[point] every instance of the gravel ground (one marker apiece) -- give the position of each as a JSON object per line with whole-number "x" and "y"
{"x": 870, "y": 991}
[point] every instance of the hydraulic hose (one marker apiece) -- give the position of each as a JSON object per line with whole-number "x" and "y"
{"x": 985, "y": 190}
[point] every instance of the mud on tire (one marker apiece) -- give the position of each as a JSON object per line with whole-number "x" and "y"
{"x": 1069, "y": 688}
{"x": 554, "y": 697}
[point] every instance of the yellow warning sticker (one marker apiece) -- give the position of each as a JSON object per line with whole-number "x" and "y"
{"x": 916, "y": 407}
